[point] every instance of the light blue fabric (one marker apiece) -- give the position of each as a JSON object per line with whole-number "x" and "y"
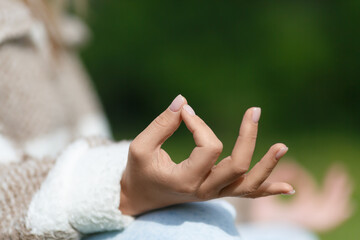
{"x": 200, "y": 221}
{"x": 192, "y": 221}
{"x": 274, "y": 231}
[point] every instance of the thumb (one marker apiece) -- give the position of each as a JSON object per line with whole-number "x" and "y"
{"x": 163, "y": 126}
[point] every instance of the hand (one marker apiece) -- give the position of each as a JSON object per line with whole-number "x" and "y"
{"x": 312, "y": 208}
{"x": 152, "y": 180}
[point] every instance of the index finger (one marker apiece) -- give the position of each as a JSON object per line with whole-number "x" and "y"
{"x": 208, "y": 146}
{"x": 163, "y": 126}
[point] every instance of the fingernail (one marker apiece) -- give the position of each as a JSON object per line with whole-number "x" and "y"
{"x": 281, "y": 152}
{"x": 177, "y": 103}
{"x": 292, "y": 192}
{"x": 189, "y": 110}
{"x": 256, "y": 114}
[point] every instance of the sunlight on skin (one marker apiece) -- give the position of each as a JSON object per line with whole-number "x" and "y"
{"x": 152, "y": 180}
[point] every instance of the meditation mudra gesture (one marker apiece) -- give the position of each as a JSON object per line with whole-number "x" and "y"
{"x": 152, "y": 180}
{"x": 62, "y": 177}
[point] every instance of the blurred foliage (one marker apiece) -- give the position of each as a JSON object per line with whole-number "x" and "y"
{"x": 298, "y": 60}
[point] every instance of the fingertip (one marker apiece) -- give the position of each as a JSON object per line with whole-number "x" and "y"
{"x": 281, "y": 150}
{"x": 282, "y": 188}
{"x": 278, "y": 146}
{"x": 252, "y": 114}
{"x": 189, "y": 110}
{"x": 249, "y": 123}
{"x": 164, "y": 125}
{"x": 256, "y": 113}
{"x": 292, "y": 192}
{"x": 287, "y": 189}
{"x": 177, "y": 103}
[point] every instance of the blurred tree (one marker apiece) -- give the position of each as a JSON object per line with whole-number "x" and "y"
{"x": 298, "y": 57}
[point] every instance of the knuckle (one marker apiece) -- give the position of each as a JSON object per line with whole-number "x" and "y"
{"x": 268, "y": 170}
{"x": 247, "y": 137}
{"x": 204, "y": 195}
{"x": 239, "y": 170}
{"x": 216, "y": 147}
{"x": 251, "y": 189}
{"x": 162, "y": 121}
{"x": 254, "y": 188}
{"x": 219, "y": 146}
{"x": 202, "y": 123}
{"x": 135, "y": 149}
{"x": 186, "y": 189}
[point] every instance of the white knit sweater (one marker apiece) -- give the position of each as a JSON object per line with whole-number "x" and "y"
{"x": 59, "y": 173}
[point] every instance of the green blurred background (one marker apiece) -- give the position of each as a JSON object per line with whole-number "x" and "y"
{"x": 298, "y": 60}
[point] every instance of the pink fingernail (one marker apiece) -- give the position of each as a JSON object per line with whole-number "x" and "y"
{"x": 177, "y": 103}
{"x": 189, "y": 110}
{"x": 281, "y": 152}
{"x": 292, "y": 192}
{"x": 256, "y": 112}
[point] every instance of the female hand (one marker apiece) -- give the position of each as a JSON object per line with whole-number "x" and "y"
{"x": 152, "y": 180}
{"x": 315, "y": 208}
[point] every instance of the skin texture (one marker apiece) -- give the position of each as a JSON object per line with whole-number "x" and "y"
{"x": 152, "y": 180}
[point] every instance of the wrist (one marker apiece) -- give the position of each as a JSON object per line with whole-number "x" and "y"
{"x": 124, "y": 205}
{"x": 129, "y": 202}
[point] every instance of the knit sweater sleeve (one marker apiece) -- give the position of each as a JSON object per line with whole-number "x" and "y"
{"x": 65, "y": 197}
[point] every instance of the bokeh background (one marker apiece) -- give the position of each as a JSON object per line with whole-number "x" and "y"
{"x": 298, "y": 60}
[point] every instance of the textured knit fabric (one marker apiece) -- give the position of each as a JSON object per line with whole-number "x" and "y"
{"x": 59, "y": 175}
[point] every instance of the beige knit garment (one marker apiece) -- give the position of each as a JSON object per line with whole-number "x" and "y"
{"x": 19, "y": 183}
{"x": 42, "y": 102}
